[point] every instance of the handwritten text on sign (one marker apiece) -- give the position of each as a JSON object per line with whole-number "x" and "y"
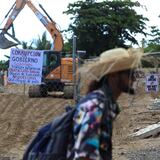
{"x": 25, "y": 66}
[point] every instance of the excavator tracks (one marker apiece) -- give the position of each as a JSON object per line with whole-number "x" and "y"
{"x": 37, "y": 91}
{"x": 68, "y": 91}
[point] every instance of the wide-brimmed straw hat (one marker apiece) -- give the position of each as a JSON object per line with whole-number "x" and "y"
{"x": 111, "y": 61}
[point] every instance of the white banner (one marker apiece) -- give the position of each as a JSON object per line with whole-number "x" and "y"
{"x": 152, "y": 82}
{"x": 25, "y": 66}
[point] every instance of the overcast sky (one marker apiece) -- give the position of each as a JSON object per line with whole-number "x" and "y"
{"x": 27, "y": 26}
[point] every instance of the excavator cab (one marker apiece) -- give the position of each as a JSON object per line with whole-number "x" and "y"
{"x": 51, "y": 60}
{"x": 57, "y": 75}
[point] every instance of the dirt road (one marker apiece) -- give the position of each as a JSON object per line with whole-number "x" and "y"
{"x": 22, "y": 116}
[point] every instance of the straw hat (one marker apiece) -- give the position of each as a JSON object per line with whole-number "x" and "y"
{"x": 113, "y": 60}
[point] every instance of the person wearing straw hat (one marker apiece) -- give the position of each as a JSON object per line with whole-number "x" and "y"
{"x": 111, "y": 75}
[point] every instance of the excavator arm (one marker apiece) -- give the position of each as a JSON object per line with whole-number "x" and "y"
{"x": 50, "y": 26}
{"x": 16, "y": 8}
{"x": 46, "y": 21}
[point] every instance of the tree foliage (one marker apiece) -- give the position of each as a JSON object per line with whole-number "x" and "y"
{"x": 38, "y": 44}
{"x": 42, "y": 43}
{"x": 104, "y": 25}
{"x": 4, "y": 64}
{"x": 26, "y": 46}
{"x": 153, "y": 44}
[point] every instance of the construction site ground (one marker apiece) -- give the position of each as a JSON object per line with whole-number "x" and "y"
{"x": 21, "y": 117}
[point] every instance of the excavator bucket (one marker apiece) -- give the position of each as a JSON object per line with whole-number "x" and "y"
{"x": 5, "y": 43}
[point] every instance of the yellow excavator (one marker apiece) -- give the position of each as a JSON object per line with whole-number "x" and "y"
{"x": 57, "y": 73}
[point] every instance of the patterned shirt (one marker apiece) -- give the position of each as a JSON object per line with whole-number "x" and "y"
{"x": 93, "y": 127}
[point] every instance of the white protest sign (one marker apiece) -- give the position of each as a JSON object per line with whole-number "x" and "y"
{"x": 152, "y": 82}
{"x": 25, "y": 66}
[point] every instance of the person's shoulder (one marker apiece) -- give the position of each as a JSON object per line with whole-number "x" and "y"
{"x": 97, "y": 94}
{"x": 92, "y": 99}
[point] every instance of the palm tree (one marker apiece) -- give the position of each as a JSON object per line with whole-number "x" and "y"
{"x": 42, "y": 43}
{"x": 26, "y": 46}
{"x": 38, "y": 44}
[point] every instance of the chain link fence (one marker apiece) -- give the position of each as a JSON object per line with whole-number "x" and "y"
{"x": 80, "y": 84}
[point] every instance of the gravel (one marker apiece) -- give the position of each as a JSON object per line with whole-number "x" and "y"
{"x": 148, "y": 154}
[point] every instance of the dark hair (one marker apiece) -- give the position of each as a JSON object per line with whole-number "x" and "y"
{"x": 94, "y": 84}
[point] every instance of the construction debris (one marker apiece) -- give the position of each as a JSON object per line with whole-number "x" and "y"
{"x": 155, "y": 105}
{"x": 151, "y": 130}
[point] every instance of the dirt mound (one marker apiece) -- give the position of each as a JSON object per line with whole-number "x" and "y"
{"x": 22, "y": 116}
{"x": 135, "y": 114}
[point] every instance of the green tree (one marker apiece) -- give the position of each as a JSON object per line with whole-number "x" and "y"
{"x": 42, "y": 43}
{"x": 104, "y": 25}
{"x": 153, "y": 45}
{"x": 26, "y": 46}
{"x": 38, "y": 44}
{"x": 4, "y": 65}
